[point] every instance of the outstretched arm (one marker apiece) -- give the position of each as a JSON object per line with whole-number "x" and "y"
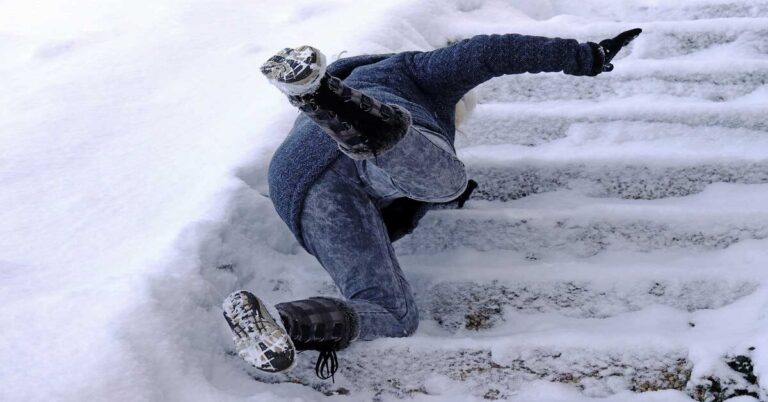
{"x": 454, "y": 70}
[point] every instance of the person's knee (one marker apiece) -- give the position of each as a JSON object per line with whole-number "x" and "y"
{"x": 447, "y": 186}
{"x": 448, "y": 173}
{"x": 407, "y": 315}
{"x": 410, "y": 321}
{"x": 455, "y": 183}
{"x": 404, "y": 310}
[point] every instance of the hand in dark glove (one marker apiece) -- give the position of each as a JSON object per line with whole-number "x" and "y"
{"x": 606, "y": 50}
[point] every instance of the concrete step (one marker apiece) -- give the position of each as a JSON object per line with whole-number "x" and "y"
{"x": 627, "y": 180}
{"x": 481, "y": 305}
{"x": 498, "y": 368}
{"x": 572, "y": 224}
{"x": 465, "y": 290}
{"x": 634, "y": 77}
{"x": 673, "y": 39}
{"x": 668, "y": 40}
{"x": 638, "y": 11}
{"x": 539, "y": 123}
{"x": 626, "y": 160}
{"x": 495, "y": 368}
{"x": 704, "y": 9}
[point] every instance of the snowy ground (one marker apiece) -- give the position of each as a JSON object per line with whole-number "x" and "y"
{"x": 134, "y": 138}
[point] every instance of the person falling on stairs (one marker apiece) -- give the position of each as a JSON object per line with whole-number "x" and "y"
{"x": 370, "y": 153}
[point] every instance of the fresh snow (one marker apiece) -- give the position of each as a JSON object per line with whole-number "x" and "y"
{"x": 134, "y": 142}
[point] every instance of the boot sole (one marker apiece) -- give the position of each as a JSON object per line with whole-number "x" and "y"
{"x": 259, "y": 340}
{"x": 295, "y": 71}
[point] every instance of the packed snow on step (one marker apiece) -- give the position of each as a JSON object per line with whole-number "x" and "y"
{"x": 134, "y": 141}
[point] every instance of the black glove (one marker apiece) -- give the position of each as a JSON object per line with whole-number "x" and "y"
{"x": 606, "y": 50}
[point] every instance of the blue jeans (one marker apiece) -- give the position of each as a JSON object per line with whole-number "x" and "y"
{"x": 343, "y": 228}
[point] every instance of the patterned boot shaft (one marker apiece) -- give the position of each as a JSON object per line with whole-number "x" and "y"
{"x": 319, "y": 323}
{"x": 323, "y": 324}
{"x": 362, "y": 126}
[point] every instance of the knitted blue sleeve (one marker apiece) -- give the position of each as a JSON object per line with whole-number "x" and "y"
{"x": 454, "y": 70}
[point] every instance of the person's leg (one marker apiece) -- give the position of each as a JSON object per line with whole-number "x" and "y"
{"x": 361, "y": 125}
{"x": 422, "y": 166}
{"x": 343, "y": 229}
{"x": 419, "y": 164}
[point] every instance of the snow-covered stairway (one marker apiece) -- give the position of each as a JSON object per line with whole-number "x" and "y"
{"x": 615, "y": 241}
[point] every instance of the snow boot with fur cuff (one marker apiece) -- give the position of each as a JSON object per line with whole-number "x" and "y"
{"x": 323, "y": 324}
{"x": 362, "y": 126}
{"x": 319, "y": 323}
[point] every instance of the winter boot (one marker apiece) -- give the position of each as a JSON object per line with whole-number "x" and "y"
{"x": 319, "y": 323}
{"x": 259, "y": 340}
{"x": 362, "y": 126}
{"x": 323, "y": 324}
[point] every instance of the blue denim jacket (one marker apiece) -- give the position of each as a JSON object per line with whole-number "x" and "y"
{"x": 428, "y": 84}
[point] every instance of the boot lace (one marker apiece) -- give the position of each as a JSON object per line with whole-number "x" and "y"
{"x": 327, "y": 364}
